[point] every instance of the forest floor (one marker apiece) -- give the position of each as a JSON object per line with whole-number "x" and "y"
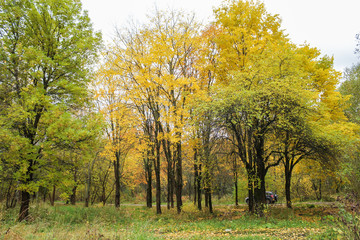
{"x": 304, "y": 221}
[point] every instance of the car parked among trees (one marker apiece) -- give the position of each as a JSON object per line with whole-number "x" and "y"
{"x": 270, "y": 198}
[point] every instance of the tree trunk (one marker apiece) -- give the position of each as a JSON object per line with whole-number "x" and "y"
{"x": 288, "y": 188}
{"x": 157, "y": 168}
{"x": 198, "y": 182}
{"x": 73, "y": 196}
{"x": 88, "y": 183}
{"x": 117, "y": 179}
{"x": 11, "y": 197}
{"x": 169, "y": 184}
{"x": 259, "y": 186}
{"x": 158, "y": 185}
{"x": 52, "y": 196}
{"x": 24, "y": 208}
{"x": 259, "y": 190}
{"x": 172, "y": 188}
{"x": 206, "y": 198}
{"x": 251, "y": 190}
{"x": 148, "y": 184}
{"x": 189, "y": 187}
{"x": 179, "y": 180}
{"x": 236, "y": 189}
{"x": 209, "y": 200}
{"x": 196, "y": 174}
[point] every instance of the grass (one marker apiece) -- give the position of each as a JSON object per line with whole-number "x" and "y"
{"x": 134, "y": 222}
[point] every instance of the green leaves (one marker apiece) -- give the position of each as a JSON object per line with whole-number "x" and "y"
{"x": 46, "y": 49}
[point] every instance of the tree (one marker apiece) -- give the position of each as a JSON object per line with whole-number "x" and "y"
{"x": 74, "y": 142}
{"x": 46, "y": 49}
{"x": 120, "y": 129}
{"x": 269, "y": 89}
{"x": 205, "y": 125}
{"x": 155, "y": 64}
{"x": 250, "y": 86}
{"x": 351, "y": 166}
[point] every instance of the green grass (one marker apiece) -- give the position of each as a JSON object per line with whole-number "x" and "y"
{"x": 133, "y": 222}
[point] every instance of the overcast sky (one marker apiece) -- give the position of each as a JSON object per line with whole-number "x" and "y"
{"x": 330, "y": 25}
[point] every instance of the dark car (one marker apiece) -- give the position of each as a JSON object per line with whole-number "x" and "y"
{"x": 270, "y": 198}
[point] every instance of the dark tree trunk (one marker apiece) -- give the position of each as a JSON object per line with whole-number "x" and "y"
{"x": 288, "y": 188}
{"x": 236, "y": 189}
{"x": 158, "y": 185}
{"x": 189, "y": 187}
{"x": 73, "y": 196}
{"x": 24, "y": 208}
{"x": 235, "y": 171}
{"x": 157, "y": 168}
{"x": 179, "y": 181}
{"x": 172, "y": 188}
{"x": 52, "y": 196}
{"x": 251, "y": 191}
{"x": 117, "y": 179}
{"x": 196, "y": 175}
{"x": 259, "y": 186}
{"x": 148, "y": 175}
{"x": 45, "y": 192}
{"x": 169, "y": 185}
{"x": 206, "y": 198}
{"x": 259, "y": 192}
{"x": 198, "y": 182}
{"x": 209, "y": 200}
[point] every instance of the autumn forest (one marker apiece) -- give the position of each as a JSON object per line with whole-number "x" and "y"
{"x": 174, "y": 120}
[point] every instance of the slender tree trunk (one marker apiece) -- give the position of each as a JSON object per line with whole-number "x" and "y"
{"x": 288, "y": 171}
{"x": 117, "y": 179}
{"x": 288, "y": 188}
{"x": 236, "y": 189}
{"x": 169, "y": 185}
{"x": 158, "y": 185}
{"x": 88, "y": 183}
{"x": 45, "y": 192}
{"x": 179, "y": 180}
{"x": 10, "y": 197}
{"x": 206, "y": 198}
{"x": 198, "y": 181}
{"x": 196, "y": 174}
{"x": 173, "y": 183}
{"x": 189, "y": 187}
{"x": 209, "y": 200}
{"x": 148, "y": 184}
{"x": 157, "y": 168}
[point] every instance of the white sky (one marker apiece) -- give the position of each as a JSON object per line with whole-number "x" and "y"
{"x": 329, "y": 25}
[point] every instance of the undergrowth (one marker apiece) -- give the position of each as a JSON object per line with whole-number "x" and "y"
{"x": 134, "y": 222}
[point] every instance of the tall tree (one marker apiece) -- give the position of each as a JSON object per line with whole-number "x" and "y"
{"x": 249, "y": 83}
{"x": 120, "y": 128}
{"x": 156, "y": 64}
{"x": 46, "y": 49}
{"x": 351, "y": 88}
{"x": 267, "y": 84}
